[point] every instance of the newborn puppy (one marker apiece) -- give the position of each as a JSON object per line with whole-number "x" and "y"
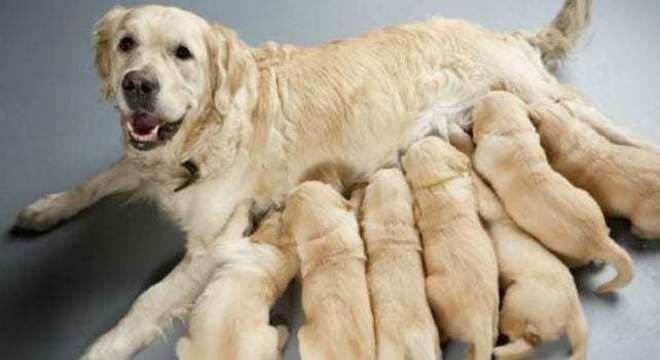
{"x": 404, "y": 324}
{"x": 624, "y": 180}
{"x": 542, "y": 202}
{"x": 541, "y": 302}
{"x": 231, "y": 318}
{"x": 338, "y": 320}
{"x": 461, "y": 281}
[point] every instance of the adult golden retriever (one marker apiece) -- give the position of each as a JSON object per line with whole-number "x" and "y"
{"x": 210, "y": 123}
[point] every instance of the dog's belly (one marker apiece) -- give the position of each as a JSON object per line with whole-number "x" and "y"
{"x": 369, "y": 116}
{"x": 375, "y": 139}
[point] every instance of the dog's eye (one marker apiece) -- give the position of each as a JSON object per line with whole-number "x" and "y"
{"x": 183, "y": 53}
{"x": 126, "y": 44}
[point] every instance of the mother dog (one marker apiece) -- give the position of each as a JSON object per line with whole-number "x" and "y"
{"x": 211, "y": 125}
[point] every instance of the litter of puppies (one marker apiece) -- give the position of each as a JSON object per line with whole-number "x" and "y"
{"x": 469, "y": 239}
{"x": 562, "y": 217}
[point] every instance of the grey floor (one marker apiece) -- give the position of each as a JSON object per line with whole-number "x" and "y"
{"x": 60, "y": 290}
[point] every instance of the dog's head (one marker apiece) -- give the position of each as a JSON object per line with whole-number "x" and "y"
{"x": 165, "y": 67}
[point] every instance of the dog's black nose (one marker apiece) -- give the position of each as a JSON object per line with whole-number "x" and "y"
{"x": 140, "y": 84}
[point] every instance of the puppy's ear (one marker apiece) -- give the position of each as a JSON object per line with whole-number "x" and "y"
{"x": 102, "y": 37}
{"x": 234, "y": 71}
{"x": 461, "y": 139}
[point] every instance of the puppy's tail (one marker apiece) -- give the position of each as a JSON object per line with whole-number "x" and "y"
{"x": 518, "y": 349}
{"x": 578, "y": 335}
{"x": 482, "y": 345}
{"x": 563, "y": 35}
{"x": 619, "y": 258}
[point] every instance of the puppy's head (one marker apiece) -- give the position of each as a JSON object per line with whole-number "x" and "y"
{"x": 552, "y": 119}
{"x": 313, "y": 209}
{"x": 165, "y": 67}
{"x": 270, "y": 229}
{"x": 432, "y": 161}
{"x": 388, "y": 198}
{"x": 500, "y": 113}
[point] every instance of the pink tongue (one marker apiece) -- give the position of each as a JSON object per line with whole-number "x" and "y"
{"x": 144, "y": 123}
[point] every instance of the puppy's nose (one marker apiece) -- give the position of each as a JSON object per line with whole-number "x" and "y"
{"x": 140, "y": 84}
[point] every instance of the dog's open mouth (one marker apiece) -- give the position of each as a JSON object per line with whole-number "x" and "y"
{"x": 146, "y": 131}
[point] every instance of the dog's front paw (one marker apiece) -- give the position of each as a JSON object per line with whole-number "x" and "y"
{"x": 109, "y": 348}
{"x": 46, "y": 212}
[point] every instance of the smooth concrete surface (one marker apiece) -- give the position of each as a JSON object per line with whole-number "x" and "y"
{"x": 60, "y": 290}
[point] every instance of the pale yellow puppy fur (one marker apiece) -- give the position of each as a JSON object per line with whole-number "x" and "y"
{"x": 542, "y": 202}
{"x": 541, "y": 302}
{"x": 338, "y": 320}
{"x": 623, "y": 179}
{"x": 231, "y": 318}
{"x": 460, "y": 263}
{"x": 405, "y": 328}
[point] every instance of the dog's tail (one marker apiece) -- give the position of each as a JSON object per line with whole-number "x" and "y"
{"x": 563, "y": 35}
{"x": 619, "y": 258}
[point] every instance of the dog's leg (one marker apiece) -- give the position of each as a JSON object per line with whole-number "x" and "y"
{"x": 55, "y": 208}
{"x": 584, "y": 111}
{"x": 170, "y": 299}
{"x": 153, "y": 311}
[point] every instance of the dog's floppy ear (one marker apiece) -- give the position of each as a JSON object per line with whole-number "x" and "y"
{"x": 235, "y": 71}
{"x": 102, "y": 38}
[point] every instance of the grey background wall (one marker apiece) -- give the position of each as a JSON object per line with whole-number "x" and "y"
{"x": 60, "y": 290}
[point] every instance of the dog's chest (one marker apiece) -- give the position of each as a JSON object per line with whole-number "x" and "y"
{"x": 202, "y": 208}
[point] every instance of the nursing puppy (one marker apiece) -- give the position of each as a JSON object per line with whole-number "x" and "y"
{"x": 231, "y": 317}
{"x": 542, "y": 202}
{"x": 395, "y": 273}
{"x": 541, "y": 302}
{"x": 461, "y": 269}
{"x": 623, "y": 179}
{"x": 339, "y": 323}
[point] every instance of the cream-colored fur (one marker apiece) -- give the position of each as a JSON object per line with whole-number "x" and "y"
{"x": 623, "y": 179}
{"x": 249, "y": 113}
{"x": 395, "y": 272}
{"x": 540, "y": 299}
{"x": 338, "y": 319}
{"x": 230, "y": 320}
{"x": 461, "y": 270}
{"x": 564, "y": 218}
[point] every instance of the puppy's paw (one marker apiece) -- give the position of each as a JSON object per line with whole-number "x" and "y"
{"x": 46, "y": 212}
{"x": 184, "y": 349}
{"x": 282, "y": 336}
